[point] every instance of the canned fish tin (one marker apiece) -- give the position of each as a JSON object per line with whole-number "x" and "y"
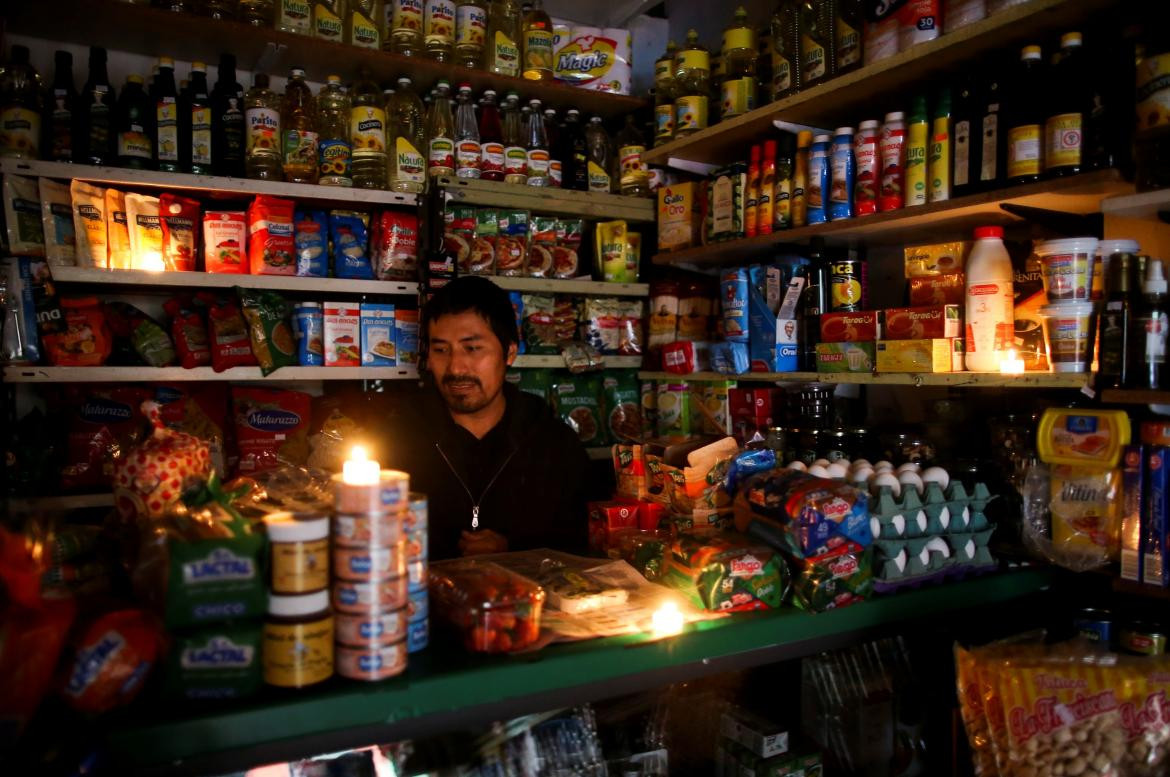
{"x": 308, "y": 325}
{"x": 416, "y": 514}
{"x": 371, "y": 529}
{"x": 416, "y": 572}
{"x": 361, "y": 598}
{"x": 416, "y": 544}
{"x": 418, "y": 634}
{"x": 371, "y": 663}
{"x": 1095, "y": 625}
{"x": 1143, "y": 638}
{"x": 389, "y": 495}
{"x": 371, "y": 629}
{"x": 418, "y": 605}
{"x": 370, "y": 563}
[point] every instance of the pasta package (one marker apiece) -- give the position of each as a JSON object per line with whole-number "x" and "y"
{"x": 228, "y": 334}
{"x": 272, "y": 427}
{"x": 117, "y": 231}
{"x": 267, "y": 315}
{"x": 146, "y": 238}
{"x": 458, "y": 234}
{"x": 22, "y": 212}
{"x": 57, "y": 223}
{"x": 179, "y": 218}
{"x": 271, "y": 245}
{"x": 89, "y": 224}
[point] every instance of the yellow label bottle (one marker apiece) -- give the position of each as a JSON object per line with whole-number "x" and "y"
{"x": 940, "y": 157}
{"x": 917, "y": 134}
{"x": 538, "y": 44}
{"x": 362, "y": 31}
{"x": 327, "y": 20}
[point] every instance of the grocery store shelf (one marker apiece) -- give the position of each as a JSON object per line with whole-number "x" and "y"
{"x": 937, "y": 221}
{"x": 950, "y": 379}
{"x": 554, "y": 201}
{"x": 206, "y": 280}
{"x": 1135, "y": 397}
{"x": 556, "y": 361}
{"x": 883, "y": 86}
{"x": 571, "y": 286}
{"x": 35, "y": 504}
{"x": 445, "y": 689}
{"x": 140, "y": 374}
{"x": 1146, "y": 205}
{"x": 186, "y": 37}
{"x": 1139, "y": 589}
{"x": 216, "y": 186}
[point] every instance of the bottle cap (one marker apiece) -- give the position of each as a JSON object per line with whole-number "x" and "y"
{"x": 535, "y": 103}
{"x": 443, "y": 84}
{"x": 770, "y": 149}
{"x": 893, "y": 116}
{"x": 404, "y": 80}
{"x": 1030, "y": 52}
{"x": 803, "y": 139}
{"x": 1071, "y": 39}
{"x": 821, "y": 139}
{"x": 198, "y": 67}
{"x": 166, "y": 62}
{"x": 465, "y": 88}
{"x": 843, "y": 131}
{"x": 487, "y": 92}
{"x": 984, "y": 233}
{"x": 297, "y": 72}
{"x": 868, "y": 124}
{"x": 333, "y": 79}
{"x": 134, "y": 78}
{"x": 1155, "y": 280}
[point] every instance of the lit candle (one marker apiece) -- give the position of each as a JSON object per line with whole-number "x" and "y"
{"x": 1011, "y": 364}
{"x": 359, "y": 470}
{"x": 668, "y": 620}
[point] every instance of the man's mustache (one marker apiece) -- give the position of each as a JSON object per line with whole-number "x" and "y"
{"x": 450, "y": 379}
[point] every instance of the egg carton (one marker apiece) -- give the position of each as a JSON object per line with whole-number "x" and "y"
{"x": 907, "y": 563}
{"x": 934, "y": 512}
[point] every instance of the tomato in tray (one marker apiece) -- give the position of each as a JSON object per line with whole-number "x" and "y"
{"x": 494, "y": 609}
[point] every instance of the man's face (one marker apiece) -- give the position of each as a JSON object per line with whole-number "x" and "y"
{"x": 467, "y": 361}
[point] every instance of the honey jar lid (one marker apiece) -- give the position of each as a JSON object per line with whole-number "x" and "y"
{"x": 298, "y": 606}
{"x": 296, "y": 527}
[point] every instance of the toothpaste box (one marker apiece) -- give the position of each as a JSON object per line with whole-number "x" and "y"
{"x": 845, "y": 357}
{"x": 934, "y": 355}
{"x": 379, "y": 343}
{"x": 1154, "y": 526}
{"x": 923, "y": 323}
{"x": 787, "y": 346}
{"x": 1132, "y": 493}
{"x": 859, "y": 327}
{"x": 342, "y": 328}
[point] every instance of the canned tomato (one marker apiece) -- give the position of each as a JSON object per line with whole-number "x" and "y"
{"x": 364, "y": 530}
{"x": 371, "y": 663}
{"x": 1095, "y": 625}
{"x": 361, "y": 598}
{"x": 369, "y": 563}
{"x": 1143, "y": 638}
{"x": 370, "y": 629}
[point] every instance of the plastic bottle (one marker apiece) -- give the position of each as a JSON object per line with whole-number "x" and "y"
{"x": 1154, "y": 324}
{"x": 367, "y": 133}
{"x": 329, "y": 20}
{"x": 692, "y": 85}
{"x": 967, "y": 142}
{"x": 739, "y": 54}
{"x": 786, "y": 49}
{"x": 135, "y": 125}
{"x": 1064, "y": 129}
{"x": 783, "y": 188}
{"x": 597, "y": 144}
{"x": 258, "y": 13}
{"x": 575, "y": 155}
{"x": 536, "y": 147}
{"x": 848, "y": 22}
{"x": 817, "y": 61}
{"x": 96, "y": 139}
{"x": 491, "y": 139}
{"x": 299, "y": 135}
{"x": 439, "y": 29}
{"x": 404, "y": 27}
{"x": 20, "y": 107}
{"x": 817, "y": 189}
{"x": 939, "y": 158}
{"x": 515, "y": 155}
{"x": 470, "y": 33}
{"x": 664, "y": 95}
{"x": 364, "y": 24}
{"x": 262, "y": 115}
{"x": 405, "y": 140}
{"x": 467, "y": 149}
{"x": 61, "y": 111}
{"x": 989, "y": 308}
{"x": 634, "y": 178}
{"x": 441, "y": 134}
{"x": 197, "y": 124}
{"x": 502, "y": 53}
{"x": 842, "y": 175}
{"x": 537, "y": 41}
{"x": 751, "y": 198}
{"x": 228, "y": 129}
{"x": 800, "y": 182}
{"x": 1025, "y": 120}
{"x": 917, "y": 139}
{"x": 868, "y": 168}
{"x": 552, "y": 133}
{"x": 333, "y": 144}
{"x": 295, "y": 16}
{"x": 765, "y": 203}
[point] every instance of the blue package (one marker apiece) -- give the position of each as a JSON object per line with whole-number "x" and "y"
{"x": 311, "y": 239}
{"x": 417, "y": 634}
{"x": 747, "y": 464}
{"x": 379, "y": 341}
{"x": 787, "y": 346}
{"x": 406, "y": 336}
{"x": 20, "y": 273}
{"x": 517, "y": 300}
{"x": 734, "y": 286}
{"x": 730, "y": 358}
{"x": 841, "y": 174}
{"x": 1133, "y": 488}
{"x": 1155, "y": 513}
{"x": 309, "y": 326}
{"x": 351, "y": 256}
{"x": 818, "y": 180}
{"x": 764, "y": 296}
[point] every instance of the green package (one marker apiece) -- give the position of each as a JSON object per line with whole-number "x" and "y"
{"x": 674, "y": 410}
{"x": 622, "y": 408}
{"x": 272, "y": 339}
{"x": 726, "y": 572}
{"x": 833, "y": 580}
{"x": 577, "y": 400}
{"x": 216, "y": 662}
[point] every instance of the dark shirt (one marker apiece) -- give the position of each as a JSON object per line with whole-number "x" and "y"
{"x": 527, "y": 474}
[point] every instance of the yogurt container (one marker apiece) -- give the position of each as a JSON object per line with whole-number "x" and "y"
{"x": 370, "y": 563}
{"x": 1068, "y": 335}
{"x": 1066, "y": 268}
{"x": 371, "y": 663}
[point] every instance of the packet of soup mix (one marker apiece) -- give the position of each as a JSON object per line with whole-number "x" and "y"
{"x": 22, "y": 214}
{"x": 577, "y": 400}
{"x": 117, "y": 231}
{"x": 146, "y": 239}
{"x": 57, "y": 223}
{"x": 225, "y": 235}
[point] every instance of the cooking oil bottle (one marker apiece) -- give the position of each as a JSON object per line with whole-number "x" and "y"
{"x": 538, "y": 44}
{"x": 329, "y": 20}
{"x": 664, "y": 94}
{"x": 298, "y": 123}
{"x": 362, "y": 29}
{"x": 135, "y": 125}
{"x": 439, "y": 29}
{"x": 196, "y": 127}
{"x": 502, "y": 55}
{"x": 166, "y": 118}
{"x": 739, "y": 66}
{"x": 441, "y": 134}
{"x": 262, "y": 124}
{"x": 20, "y": 107}
{"x": 817, "y": 61}
{"x": 333, "y": 147}
{"x": 786, "y": 49}
{"x": 634, "y": 178}
{"x": 470, "y": 32}
{"x": 406, "y": 137}
{"x": 404, "y": 27}
{"x": 258, "y": 13}
{"x": 692, "y": 83}
{"x": 367, "y": 133}
{"x": 848, "y": 18}
{"x": 295, "y": 16}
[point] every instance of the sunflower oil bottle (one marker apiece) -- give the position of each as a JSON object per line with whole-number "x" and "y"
{"x": 333, "y": 145}
{"x": 692, "y": 84}
{"x": 406, "y": 138}
{"x": 739, "y": 53}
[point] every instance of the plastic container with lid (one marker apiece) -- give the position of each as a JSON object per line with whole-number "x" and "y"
{"x": 1079, "y": 436}
{"x": 1105, "y": 250}
{"x": 299, "y": 552}
{"x": 989, "y": 301}
{"x": 1068, "y": 335}
{"x": 494, "y": 609}
{"x": 298, "y": 640}
{"x": 1066, "y": 268}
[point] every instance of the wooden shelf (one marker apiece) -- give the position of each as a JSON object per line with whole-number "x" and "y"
{"x": 1146, "y": 205}
{"x": 556, "y": 361}
{"x": 937, "y": 221}
{"x": 206, "y": 280}
{"x": 18, "y": 374}
{"x": 948, "y": 379}
{"x": 571, "y": 286}
{"x": 884, "y": 86}
{"x": 549, "y": 200}
{"x": 217, "y": 187}
{"x": 1139, "y": 589}
{"x": 153, "y": 32}
{"x": 1135, "y": 397}
{"x": 58, "y": 504}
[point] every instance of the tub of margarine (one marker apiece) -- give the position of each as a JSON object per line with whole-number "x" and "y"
{"x": 298, "y": 640}
{"x": 1080, "y": 437}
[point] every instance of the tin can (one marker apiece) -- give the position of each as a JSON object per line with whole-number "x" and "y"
{"x": 390, "y": 494}
{"x": 1143, "y": 638}
{"x": 416, "y": 516}
{"x": 367, "y": 530}
{"x": 371, "y": 663}
{"x": 309, "y": 325}
{"x": 848, "y": 279}
{"x": 1095, "y": 625}
{"x": 371, "y": 563}
{"x": 370, "y": 629}
{"x": 363, "y": 598}
{"x": 418, "y": 634}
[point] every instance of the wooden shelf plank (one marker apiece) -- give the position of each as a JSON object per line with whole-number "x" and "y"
{"x": 550, "y": 200}
{"x": 556, "y": 361}
{"x": 948, "y": 379}
{"x": 926, "y": 223}
{"x": 571, "y": 286}
{"x": 36, "y": 504}
{"x": 1144, "y": 205}
{"x": 879, "y": 87}
{"x": 205, "y": 280}
{"x": 1135, "y": 397}
{"x": 34, "y": 374}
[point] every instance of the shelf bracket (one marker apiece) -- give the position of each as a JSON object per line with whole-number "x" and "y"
{"x": 1059, "y": 221}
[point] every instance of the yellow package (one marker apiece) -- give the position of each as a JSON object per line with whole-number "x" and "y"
{"x": 936, "y": 355}
{"x": 1086, "y": 511}
{"x": 145, "y": 232}
{"x": 1082, "y": 437}
{"x": 117, "y": 231}
{"x": 611, "y": 250}
{"x": 89, "y": 224}
{"x": 677, "y": 217}
{"x": 936, "y": 259}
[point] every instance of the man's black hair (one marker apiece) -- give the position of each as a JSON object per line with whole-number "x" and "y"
{"x": 476, "y": 294}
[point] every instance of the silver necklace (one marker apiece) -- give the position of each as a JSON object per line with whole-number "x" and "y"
{"x": 475, "y": 503}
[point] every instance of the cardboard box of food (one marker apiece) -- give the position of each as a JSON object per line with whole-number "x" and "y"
{"x": 379, "y": 343}
{"x": 860, "y": 327}
{"x": 948, "y": 289}
{"x": 342, "y": 328}
{"x": 1132, "y": 494}
{"x": 678, "y": 216}
{"x": 845, "y": 357}
{"x": 923, "y": 323}
{"x": 935, "y": 355}
{"x": 760, "y": 736}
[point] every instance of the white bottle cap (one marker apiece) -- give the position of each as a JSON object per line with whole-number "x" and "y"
{"x": 893, "y": 116}
{"x": 1155, "y": 280}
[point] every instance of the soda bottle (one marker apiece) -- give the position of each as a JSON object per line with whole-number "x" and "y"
{"x": 537, "y": 147}
{"x": 258, "y": 13}
{"x": 295, "y": 16}
{"x": 515, "y": 155}
{"x": 329, "y": 20}
{"x": 467, "y": 148}
{"x": 491, "y": 136}
{"x": 135, "y": 125}
{"x": 20, "y": 107}
{"x": 502, "y": 55}
{"x": 166, "y": 118}
{"x": 96, "y": 138}
{"x": 599, "y": 156}
{"x": 367, "y": 133}
{"x": 333, "y": 149}
{"x": 441, "y": 134}
{"x": 439, "y": 29}
{"x": 575, "y": 156}
{"x": 61, "y": 112}
{"x": 406, "y": 137}
{"x": 364, "y": 28}
{"x": 262, "y": 116}
{"x": 538, "y": 44}
{"x": 404, "y": 26}
{"x": 298, "y": 122}
{"x": 634, "y": 178}
{"x": 228, "y": 130}
{"x": 196, "y": 123}
{"x": 552, "y": 135}
{"x": 470, "y": 32}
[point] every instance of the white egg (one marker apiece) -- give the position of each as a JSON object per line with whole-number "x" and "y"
{"x": 900, "y": 560}
{"x": 883, "y": 466}
{"x": 859, "y": 463}
{"x": 818, "y": 471}
{"x": 885, "y": 479}
{"x": 822, "y": 463}
{"x": 944, "y": 517}
{"x": 862, "y": 473}
{"x": 860, "y": 481}
{"x": 910, "y": 466}
{"x": 911, "y": 478}
{"x": 798, "y": 465}
{"x": 937, "y": 475}
{"x": 875, "y": 527}
{"x": 837, "y": 470}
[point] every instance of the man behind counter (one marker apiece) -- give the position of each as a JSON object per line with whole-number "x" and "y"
{"x": 500, "y": 470}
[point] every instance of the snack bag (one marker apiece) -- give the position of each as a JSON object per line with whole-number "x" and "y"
{"x": 482, "y": 260}
{"x": 272, "y": 427}
{"x": 576, "y": 400}
{"x": 273, "y": 343}
{"x": 117, "y": 234}
{"x": 189, "y": 332}
{"x": 112, "y": 659}
{"x": 180, "y": 233}
{"x": 148, "y": 341}
{"x": 540, "y": 253}
{"x": 22, "y": 215}
{"x": 539, "y": 332}
{"x": 351, "y": 258}
{"x": 103, "y": 423}
{"x": 394, "y": 246}
{"x": 622, "y": 407}
{"x": 566, "y": 258}
{"x": 271, "y": 245}
{"x": 89, "y": 225}
{"x": 225, "y": 234}
{"x": 57, "y": 223}
{"x": 152, "y": 476}
{"x": 512, "y": 245}
{"x": 86, "y": 340}
{"x": 231, "y": 345}
{"x": 458, "y": 234}
{"x": 611, "y": 246}
{"x": 809, "y": 516}
{"x": 146, "y": 238}
{"x": 726, "y": 572}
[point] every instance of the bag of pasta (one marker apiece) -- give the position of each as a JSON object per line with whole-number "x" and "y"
{"x": 272, "y": 338}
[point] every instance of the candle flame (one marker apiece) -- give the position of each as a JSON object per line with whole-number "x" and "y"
{"x": 668, "y": 620}
{"x": 358, "y": 453}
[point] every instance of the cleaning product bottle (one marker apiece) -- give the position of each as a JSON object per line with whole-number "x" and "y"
{"x": 939, "y": 159}
{"x": 990, "y": 314}
{"x": 1153, "y": 325}
{"x": 916, "y": 146}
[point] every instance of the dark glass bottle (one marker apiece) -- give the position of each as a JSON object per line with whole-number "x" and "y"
{"x": 1025, "y": 119}
{"x": 1153, "y": 323}
{"x": 576, "y": 153}
{"x": 814, "y": 301}
{"x": 166, "y": 118}
{"x": 227, "y": 121}
{"x": 195, "y": 123}
{"x": 988, "y": 168}
{"x": 967, "y": 148}
{"x": 1064, "y": 127}
{"x": 96, "y": 140}
{"x": 1119, "y": 351}
{"x": 135, "y": 125}
{"x": 61, "y": 120}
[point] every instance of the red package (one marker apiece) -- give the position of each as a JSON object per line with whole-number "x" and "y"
{"x": 395, "y": 245}
{"x": 566, "y": 261}
{"x": 608, "y": 520}
{"x": 753, "y": 410}
{"x": 86, "y": 341}
{"x": 947, "y": 289}
{"x": 271, "y": 248}
{"x": 225, "y": 234}
{"x": 103, "y": 423}
{"x": 678, "y": 358}
{"x": 859, "y": 327}
{"x": 112, "y": 660}
{"x": 179, "y": 217}
{"x": 272, "y": 428}
{"x": 189, "y": 332}
{"x": 540, "y": 254}
{"x": 650, "y": 515}
{"x": 923, "y": 323}
{"x": 227, "y": 333}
